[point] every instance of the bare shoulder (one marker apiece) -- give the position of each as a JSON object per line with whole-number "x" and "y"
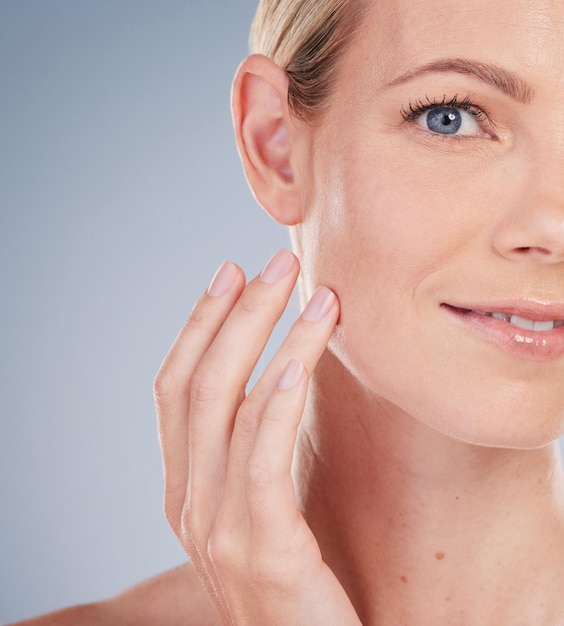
{"x": 173, "y": 598}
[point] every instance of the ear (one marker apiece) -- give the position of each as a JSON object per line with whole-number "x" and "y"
{"x": 263, "y": 129}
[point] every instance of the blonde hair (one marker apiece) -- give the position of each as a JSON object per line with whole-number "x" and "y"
{"x": 306, "y": 38}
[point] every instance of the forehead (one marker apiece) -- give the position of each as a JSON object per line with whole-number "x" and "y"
{"x": 526, "y": 36}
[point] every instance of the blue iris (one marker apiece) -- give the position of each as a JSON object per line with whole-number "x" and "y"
{"x": 444, "y": 120}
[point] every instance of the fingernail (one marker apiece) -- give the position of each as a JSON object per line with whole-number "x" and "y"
{"x": 278, "y": 267}
{"x": 291, "y": 375}
{"x": 223, "y": 279}
{"x": 319, "y": 305}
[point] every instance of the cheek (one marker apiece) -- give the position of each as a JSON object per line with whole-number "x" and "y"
{"x": 386, "y": 215}
{"x": 388, "y": 245}
{"x": 374, "y": 234}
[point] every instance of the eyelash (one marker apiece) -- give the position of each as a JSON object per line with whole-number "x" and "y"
{"x": 417, "y": 109}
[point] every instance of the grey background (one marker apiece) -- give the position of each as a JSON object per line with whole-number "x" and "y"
{"x": 121, "y": 193}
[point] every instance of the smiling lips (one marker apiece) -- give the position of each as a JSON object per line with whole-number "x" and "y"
{"x": 520, "y": 322}
{"x": 524, "y": 329}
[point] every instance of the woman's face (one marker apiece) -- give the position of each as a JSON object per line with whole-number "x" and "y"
{"x": 434, "y": 192}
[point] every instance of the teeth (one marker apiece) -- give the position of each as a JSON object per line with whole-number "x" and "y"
{"x": 544, "y": 325}
{"x": 522, "y": 322}
{"x": 501, "y": 316}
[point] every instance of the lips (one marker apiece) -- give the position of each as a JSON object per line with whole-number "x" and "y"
{"x": 519, "y": 321}
{"x": 524, "y": 329}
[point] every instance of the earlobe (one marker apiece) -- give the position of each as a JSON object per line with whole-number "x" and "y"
{"x": 263, "y": 128}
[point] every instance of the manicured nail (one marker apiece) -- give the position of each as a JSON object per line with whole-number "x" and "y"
{"x": 223, "y": 279}
{"x": 319, "y": 305}
{"x": 278, "y": 267}
{"x": 291, "y": 375}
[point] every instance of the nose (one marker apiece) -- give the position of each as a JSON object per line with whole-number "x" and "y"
{"x": 533, "y": 230}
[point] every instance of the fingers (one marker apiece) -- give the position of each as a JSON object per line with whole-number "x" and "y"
{"x": 172, "y": 381}
{"x": 227, "y": 458}
{"x": 269, "y": 487}
{"x": 218, "y": 385}
{"x": 305, "y": 343}
{"x": 200, "y": 387}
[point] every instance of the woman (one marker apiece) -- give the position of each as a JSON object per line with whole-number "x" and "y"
{"x": 416, "y": 151}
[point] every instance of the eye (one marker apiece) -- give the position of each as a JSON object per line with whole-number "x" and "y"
{"x": 457, "y": 118}
{"x": 449, "y": 120}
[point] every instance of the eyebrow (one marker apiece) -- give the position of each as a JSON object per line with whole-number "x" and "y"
{"x": 504, "y": 80}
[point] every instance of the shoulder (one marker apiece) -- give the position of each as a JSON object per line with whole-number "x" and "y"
{"x": 174, "y": 598}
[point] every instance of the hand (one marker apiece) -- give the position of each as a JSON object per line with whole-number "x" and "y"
{"x": 229, "y": 496}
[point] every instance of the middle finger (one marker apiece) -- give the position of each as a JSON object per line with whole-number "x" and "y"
{"x": 217, "y": 388}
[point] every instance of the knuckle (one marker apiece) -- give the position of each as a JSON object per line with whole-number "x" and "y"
{"x": 185, "y": 517}
{"x": 222, "y": 546}
{"x": 196, "y": 520}
{"x": 167, "y": 388}
{"x": 169, "y": 384}
{"x": 191, "y": 532}
{"x": 250, "y": 302}
{"x": 204, "y": 387}
{"x": 161, "y": 386}
{"x": 247, "y": 418}
{"x": 258, "y": 476}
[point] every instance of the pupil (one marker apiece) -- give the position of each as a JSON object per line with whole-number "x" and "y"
{"x": 444, "y": 120}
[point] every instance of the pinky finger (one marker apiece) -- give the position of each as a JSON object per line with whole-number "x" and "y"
{"x": 269, "y": 488}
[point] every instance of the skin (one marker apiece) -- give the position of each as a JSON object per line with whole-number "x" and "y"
{"x": 477, "y": 199}
{"x": 429, "y": 499}
{"x": 427, "y": 485}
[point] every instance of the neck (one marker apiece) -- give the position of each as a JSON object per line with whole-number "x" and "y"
{"x": 421, "y": 528}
